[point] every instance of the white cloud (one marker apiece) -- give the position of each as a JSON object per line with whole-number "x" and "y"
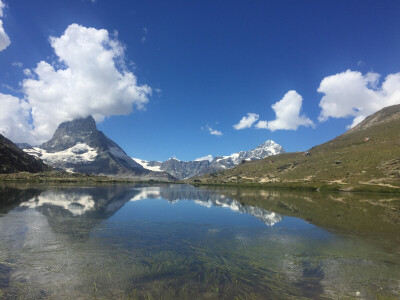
{"x": 246, "y": 121}
{"x": 212, "y": 131}
{"x": 17, "y": 64}
{"x": 145, "y": 32}
{"x": 28, "y": 72}
{"x": 14, "y": 115}
{"x": 352, "y": 94}
{"x": 94, "y": 81}
{"x": 207, "y": 157}
{"x": 12, "y": 89}
{"x": 4, "y": 39}
{"x": 261, "y": 125}
{"x": 287, "y": 111}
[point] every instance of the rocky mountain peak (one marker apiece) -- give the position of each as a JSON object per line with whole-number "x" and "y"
{"x": 70, "y": 133}
{"x": 78, "y": 146}
{"x": 80, "y": 124}
{"x": 268, "y": 143}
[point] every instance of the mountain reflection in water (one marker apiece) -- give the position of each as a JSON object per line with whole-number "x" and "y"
{"x": 178, "y": 241}
{"x": 207, "y": 199}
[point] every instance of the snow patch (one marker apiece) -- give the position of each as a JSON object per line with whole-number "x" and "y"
{"x": 145, "y": 164}
{"x": 207, "y": 157}
{"x": 173, "y": 158}
{"x": 80, "y": 153}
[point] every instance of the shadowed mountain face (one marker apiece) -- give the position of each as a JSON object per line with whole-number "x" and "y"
{"x": 13, "y": 159}
{"x": 77, "y": 146}
{"x": 187, "y": 169}
{"x": 368, "y": 154}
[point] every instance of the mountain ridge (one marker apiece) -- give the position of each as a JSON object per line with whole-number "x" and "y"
{"x": 187, "y": 169}
{"x": 366, "y": 155}
{"x": 78, "y": 146}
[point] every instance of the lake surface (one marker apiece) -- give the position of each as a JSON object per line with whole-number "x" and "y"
{"x": 183, "y": 242}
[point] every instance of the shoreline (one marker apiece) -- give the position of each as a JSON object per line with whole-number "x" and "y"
{"x": 77, "y": 178}
{"x": 316, "y": 187}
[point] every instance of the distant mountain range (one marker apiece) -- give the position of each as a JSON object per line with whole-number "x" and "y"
{"x": 78, "y": 146}
{"x": 366, "y": 155}
{"x": 208, "y": 164}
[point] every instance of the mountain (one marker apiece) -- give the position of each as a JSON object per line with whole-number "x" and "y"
{"x": 366, "y": 155}
{"x": 13, "y": 159}
{"x": 266, "y": 149}
{"x": 187, "y": 169}
{"x": 78, "y": 146}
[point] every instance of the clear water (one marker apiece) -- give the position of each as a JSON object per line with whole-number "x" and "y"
{"x": 183, "y": 242}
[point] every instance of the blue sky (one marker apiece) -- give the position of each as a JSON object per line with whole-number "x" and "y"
{"x": 208, "y": 64}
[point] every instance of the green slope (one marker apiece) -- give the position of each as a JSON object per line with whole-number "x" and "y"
{"x": 347, "y": 161}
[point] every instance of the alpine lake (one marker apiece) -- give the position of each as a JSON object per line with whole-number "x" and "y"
{"x": 184, "y": 242}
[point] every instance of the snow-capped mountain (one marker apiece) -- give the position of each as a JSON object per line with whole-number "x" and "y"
{"x": 78, "y": 146}
{"x": 208, "y": 164}
{"x": 267, "y": 148}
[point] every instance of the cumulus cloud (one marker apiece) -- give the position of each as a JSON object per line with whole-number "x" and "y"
{"x": 14, "y": 115}
{"x": 352, "y": 94}
{"x": 287, "y": 111}
{"x": 94, "y": 81}
{"x": 247, "y": 121}
{"x": 4, "y": 39}
{"x": 261, "y": 125}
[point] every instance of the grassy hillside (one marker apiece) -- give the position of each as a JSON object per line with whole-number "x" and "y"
{"x": 348, "y": 161}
